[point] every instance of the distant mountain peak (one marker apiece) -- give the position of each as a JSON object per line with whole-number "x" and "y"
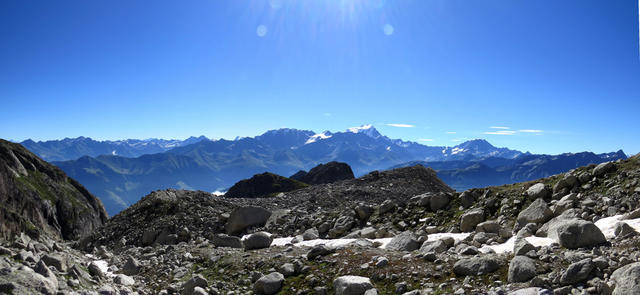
{"x": 367, "y": 129}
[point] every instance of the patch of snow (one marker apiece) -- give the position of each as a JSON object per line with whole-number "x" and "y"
{"x": 114, "y": 153}
{"x": 317, "y": 137}
{"x": 607, "y": 225}
{"x": 388, "y": 148}
{"x": 103, "y": 265}
{"x": 336, "y": 243}
{"x": 507, "y": 247}
{"x": 457, "y": 150}
{"x": 218, "y": 193}
{"x": 361, "y": 128}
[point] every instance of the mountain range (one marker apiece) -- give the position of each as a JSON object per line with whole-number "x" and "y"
{"x": 215, "y": 165}
{"x": 74, "y": 148}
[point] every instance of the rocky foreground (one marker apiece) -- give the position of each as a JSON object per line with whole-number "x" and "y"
{"x": 401, "y": 231}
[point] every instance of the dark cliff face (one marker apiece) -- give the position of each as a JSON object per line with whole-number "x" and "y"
{"x": 38, "y": 198}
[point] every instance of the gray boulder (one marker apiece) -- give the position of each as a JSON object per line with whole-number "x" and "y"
{"x": 467, "y": 199}
{"x": 258, "y": 240}
{"x": 438, "y": 246}
{"x": 627, "y": 280}
{"x": 269, "y": 284}
{"x": 538, "y": 191}
{"x": 95, "y": 270}
{"x": 131, "y": 267}
{"x": 522, "y": 247}
{"x": 537, "y": 212}
{"x": 405, "y": 241}
{"x": 310, "y": 234}
{"x": 470, "y": 219}
{"x": 57, "y": 261}
{"x": 226, "y": 241}
{"x": 603, "y": 168}
{"x": 352, "y": 285}
{"x": 476, "y": 266}
{"x": 343, "y": 224}
{"x": 244, "y": 217}
{"x": 577, "y": 272}
{"x": 387, "y": 206}
{"x": 439, "y": 201}
{"x": 489, "y": 226}
{"x": 318, "y": 251}
{"x": 576, "y": 233}
{"x": 364, "y": 212}
{"x": 521, "y": 269}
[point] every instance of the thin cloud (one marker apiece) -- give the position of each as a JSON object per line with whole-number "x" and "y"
{"x": 531, "y": 131}
{"x": 499, "y": 127}
{"x": 501, "y": 132}
{"x": 451, "y": 132}
{"x": 426, "y": 139}
{"x": 327, "y": 114}
{"x": 401, "y": 125}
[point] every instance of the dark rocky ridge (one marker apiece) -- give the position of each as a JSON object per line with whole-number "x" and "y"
{"x": 38, "y": 198}
{"x": 325, "y": 173}
{"x": 263, "y": 185}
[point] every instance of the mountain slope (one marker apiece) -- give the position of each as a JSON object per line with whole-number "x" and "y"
{"x": 38, "y": 198}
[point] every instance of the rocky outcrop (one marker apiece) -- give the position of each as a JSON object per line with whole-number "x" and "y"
{"x": 325, "y": 173}
{"x": 38, "y": 198}
{"x": 263, "y": 185}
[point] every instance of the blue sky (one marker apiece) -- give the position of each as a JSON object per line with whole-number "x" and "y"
{"x": 567, "y": 71}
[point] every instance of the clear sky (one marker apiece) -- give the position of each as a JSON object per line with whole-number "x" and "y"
{"x": 562, "y": 76}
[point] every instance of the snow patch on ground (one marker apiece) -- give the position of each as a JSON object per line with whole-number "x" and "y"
{"x": 103, "y": 265}
{"x": 606, "y": 225}
{"x": 337, "y": 243}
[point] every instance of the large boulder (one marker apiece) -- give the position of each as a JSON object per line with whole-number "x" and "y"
{"x": 603, "y": 168}
{"x": 537, "y": 212}
{"x": 521, "y": 269}
{"x": 576, "y": 233}
{"x": 351, "y": 285}
{"x": 325, "y": 173}
{"x": 257, "y": 240}
{"x": 269, "y": 284}
{"x": 437, "y": 246}
{"x": 537, "y": 191}
{"x": 343, "y": 225}
{"x": 627, "y": 280}
{"x": 577, "y": 272}
{"x": 263, "y": 185}
{"x": 244, "y": 217}
{"x": 470, "y": 219}
{"x": 405, "y": 241}
{"x": 476, "y": 266}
